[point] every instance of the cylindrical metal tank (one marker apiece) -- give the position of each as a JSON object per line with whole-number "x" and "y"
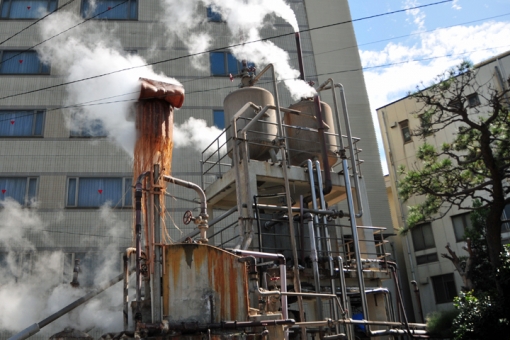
{"x": 304, "y": 144}
{"x": 263, "y": 133}
{"x": 203, "y": 284}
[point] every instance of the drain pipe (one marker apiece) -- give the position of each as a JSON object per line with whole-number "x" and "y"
{"x": 314, "y": 203}
{"x": 201, "y": 219}
{"x": 327, "y": 238}
{"x": 138, "y": 233}
{"x": 125, "y": 313}
{"x": 315, "y": 263}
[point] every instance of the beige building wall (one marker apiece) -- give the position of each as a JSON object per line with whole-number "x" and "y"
{"x": 55, "y": 157}
{"x": 392, "y": 118}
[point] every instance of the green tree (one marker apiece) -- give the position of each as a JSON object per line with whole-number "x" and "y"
{"x": 474, "y": 165}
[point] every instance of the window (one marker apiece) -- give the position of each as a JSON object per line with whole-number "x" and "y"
{"x": 423, "y": 237}
{"x": 444, "y": 288}
{"x": 426, "y": 258}
{"x": 505, "y": 227}
{"x": 426, "y": 125}
{"x": 473, "y": 100}
{"x": 460, "y": 223}
{"x": 406, "y": 133}
{"x": 26, "y": 9}
{"x": 21, "y": 189}
{"x": 213, "y": 16}
{"x": 219, "y": 119}
{"x": 93, "y": 192}
{"x": 110, "y": 9}
{"x": 18, "y": 62}
{"x": 93, "y": 129}
{"x": 455, "y": 103}
{"x": 224, "y": 63}
{"x": 21, "y": 123}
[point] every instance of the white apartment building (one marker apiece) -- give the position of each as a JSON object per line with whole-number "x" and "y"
{"x": 435, "y": 276}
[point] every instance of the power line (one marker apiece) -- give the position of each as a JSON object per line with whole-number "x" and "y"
{"x": 35, "y": 22}
{"x": 88, "y": 103}
{"x": 70, "y": 28}
{"x": 215, "y": 49}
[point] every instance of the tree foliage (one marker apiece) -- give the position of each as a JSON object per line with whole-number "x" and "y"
{"x": 474, "y": 164}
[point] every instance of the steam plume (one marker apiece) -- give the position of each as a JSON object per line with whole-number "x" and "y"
{"x": 245, "y": 19}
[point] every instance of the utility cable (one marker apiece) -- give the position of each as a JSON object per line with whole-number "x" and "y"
{"x": 88, "y": 103}
{"x": 37, "y": 21}
{"x": 212, "y": 50}
{"x": 70, "y": 28}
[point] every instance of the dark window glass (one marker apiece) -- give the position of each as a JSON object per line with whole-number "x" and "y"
{"x": 17, "y": 62}
{"x": 20, "y": 189}
{"x": 423, "y": 237}
{"x": 426, "y": 258}
{"x": 223, "y": 64}
{"x": 444, "y": 288}
{"x": 94, "y": 192}
{"x": 505, "y": 227}
{"x": 110, "y": 9}
{"x": 473, "y": 100}
{"x": 460, "y": 223}
{"x": 93, "y": 129}
{"x": 406, "y": 133}
{"x": 21, "y": 123}
{"x": 26, "y": 9}
{"x": 219, "y": 119}
{"x": 213, "y": 16}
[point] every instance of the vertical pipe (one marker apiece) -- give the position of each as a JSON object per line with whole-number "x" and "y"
{"x": 138, "y": 242}
{"x": 156, "y": 281}
{"x": 314, "y": 205}
{"x": 322, "y": 140}
{"x": 125, "y": 313}
{"x": 327, "y": 239}
{"x": 355, "y": 238}
{"x": 315, "y": 266}
{"x": 300, "y": 56}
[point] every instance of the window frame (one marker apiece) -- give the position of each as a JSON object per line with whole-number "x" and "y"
{"x": 466, "y": 222}
{"x": 34, "y": 123}
{"x": 43, "y": 68}
{"x": 227, "y": 71}
{"x": 213, "y": 16}
{"x": 420, "y": 229}
{"x": 443, "y": 281}
{"x": 27, "y": 197}
{"x": 10, "y": 2}
{"x": 84, "y": 15}
{"x": 118, "y": 205}
{"x": 473, "y": 96}
{"x": 405, "y": 125}
{"x": 219, "y": 113}
{"x": 427, "y": 258}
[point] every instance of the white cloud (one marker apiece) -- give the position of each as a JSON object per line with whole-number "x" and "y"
{"x": 384, "y": 85}
{"x": 417, "y": 16}
{"x": 455, "y": 5}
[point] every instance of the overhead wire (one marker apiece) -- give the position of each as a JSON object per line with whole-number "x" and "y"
{"x": 88, "y": 103}
{"x": 210, "y": 50}
{"x": 36, "y": 22}
{"x": 58, "y": 34}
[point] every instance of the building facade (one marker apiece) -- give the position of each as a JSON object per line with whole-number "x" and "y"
{"x": 63, "y": 178}
{"x": 434, "y": 276}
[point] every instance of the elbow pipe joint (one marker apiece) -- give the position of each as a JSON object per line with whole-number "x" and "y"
{"x": 252, "y": 264}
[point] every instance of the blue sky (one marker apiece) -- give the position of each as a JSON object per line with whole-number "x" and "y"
{"x": 460, "y": 29}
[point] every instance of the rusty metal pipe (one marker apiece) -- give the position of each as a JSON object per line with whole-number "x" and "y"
{"x": 300, "y": 56}
{"x": 201, "y": 220}
{"x": 138, "y": 242}
{"x": 125, "y": 312}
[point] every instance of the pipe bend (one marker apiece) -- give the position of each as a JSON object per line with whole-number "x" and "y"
{"x": 196, "y": 187}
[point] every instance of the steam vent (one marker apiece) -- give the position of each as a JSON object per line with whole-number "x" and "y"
{"x": 154, "y": 125}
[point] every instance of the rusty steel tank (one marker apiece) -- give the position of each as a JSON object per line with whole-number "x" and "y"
{"x": 203, "y": 284}
{"x": 303, "y": 143}
{"x": 263, "y": 133}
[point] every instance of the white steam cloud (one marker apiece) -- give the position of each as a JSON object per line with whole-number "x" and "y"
{"x": 89, "y": 52}
{"x": 245, "y": 19}
{"x": 31, "y": 286}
